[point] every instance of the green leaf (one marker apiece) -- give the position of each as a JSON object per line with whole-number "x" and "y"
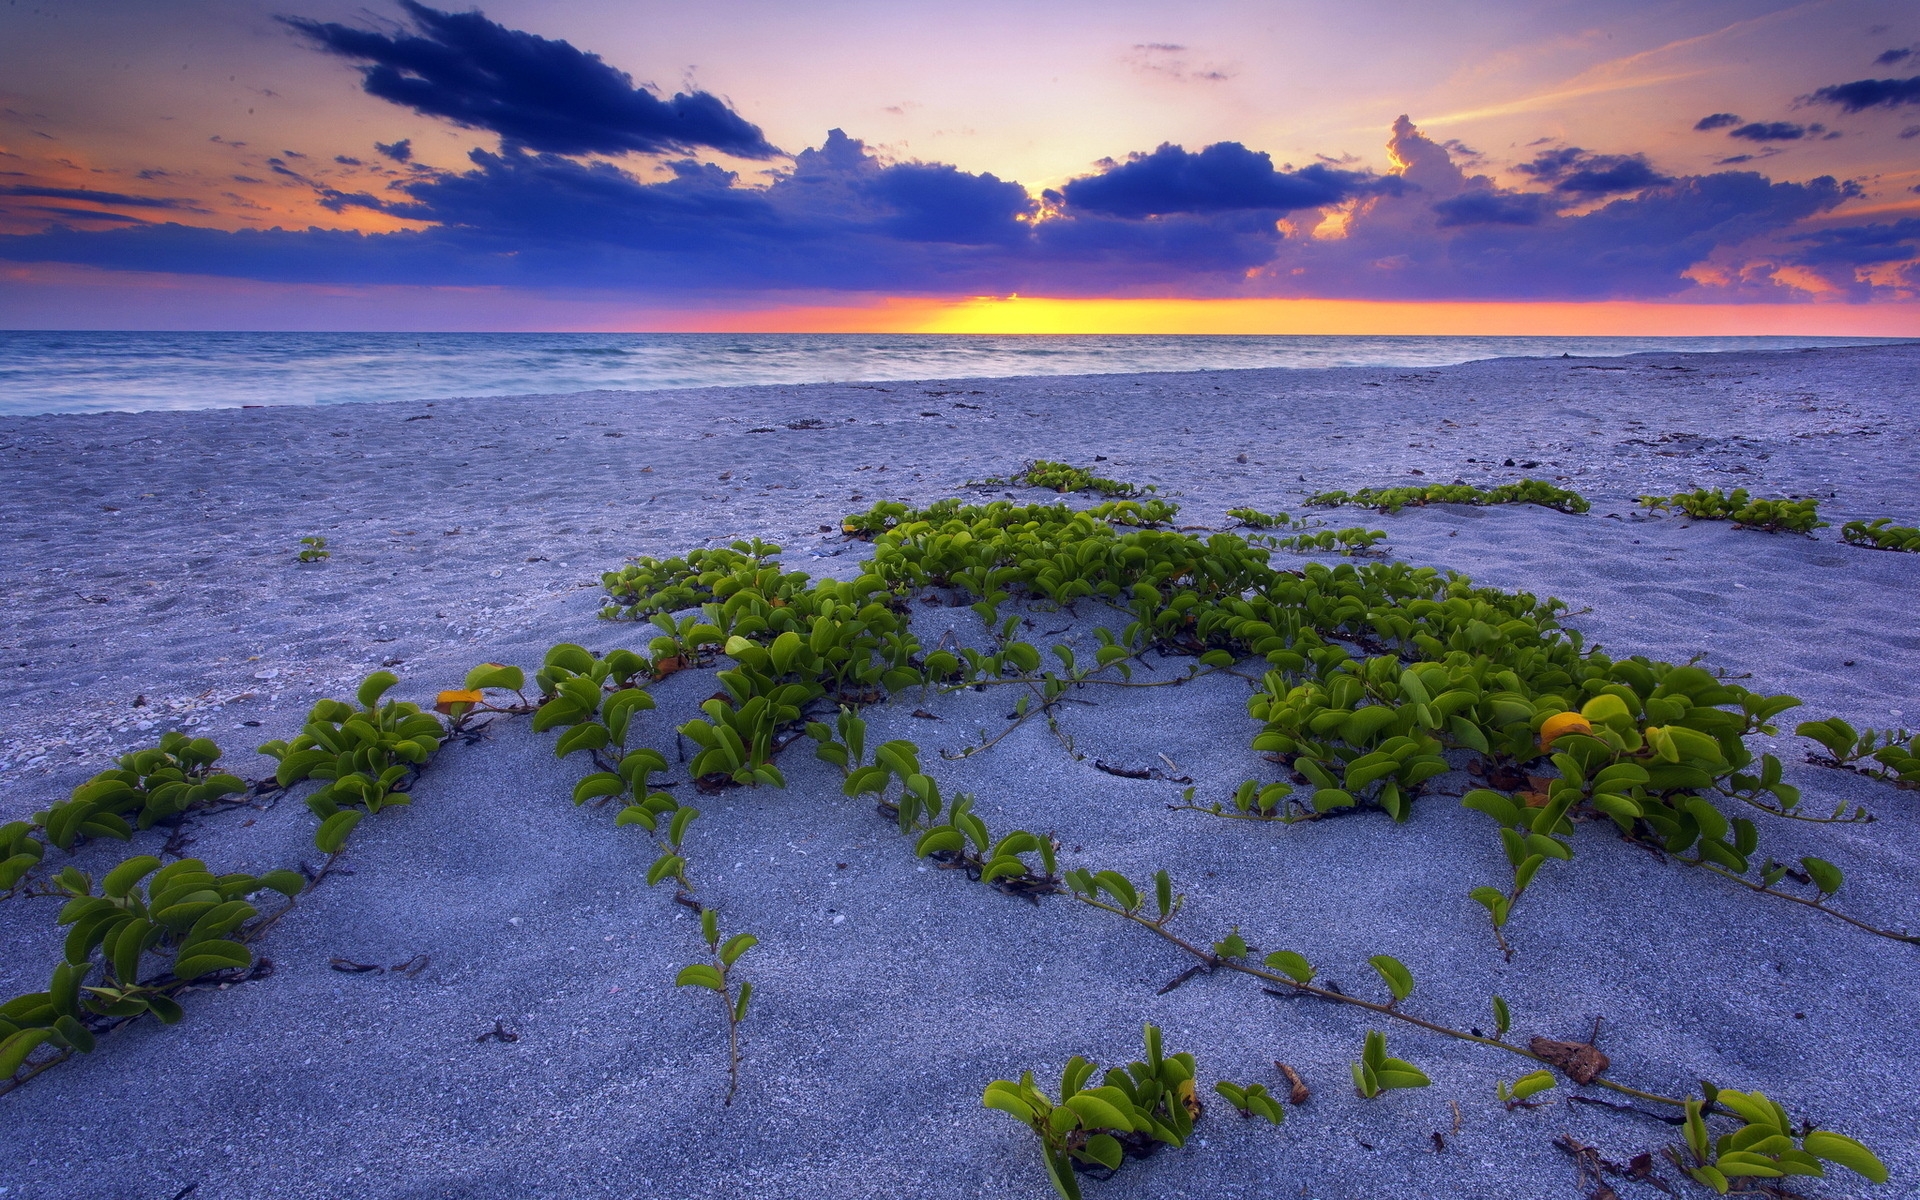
{"x": 15, "y": 1049}
{"x": 1293, "y": 966}
{"x": 204, "y": 958}
{"x": 677, "y": 827}
{"x": 700, "y": 975}
{"x": 1119, "y": 888}
{"x": 1398, "y": 979}
{"x": 737, "y": 945}
{"x": 1101, "y": 1108}
{"x": 941, "y": 838}
{"x": 1826, "y": 876}
{"x": 601, "y": 783}
{"x": 1003, "y": 1095}
{"x": 333, "y": 831}
{"x": 1502, "y": 1016}
{"x": 667, "y": 866}
{"x": 1837, "y": 1148}
{"x": 495, "y": 675}
{"x": 121, "y": 879}
{"x": 1103, "y": 1149}
{"x": 589, "y": 735}
{"x": 374, "y": 687}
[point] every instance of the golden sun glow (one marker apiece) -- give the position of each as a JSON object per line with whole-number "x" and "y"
{"x": 1045, "y": 315}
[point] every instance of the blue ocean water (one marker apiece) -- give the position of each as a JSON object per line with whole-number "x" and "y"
{"x": 55, "y": 372}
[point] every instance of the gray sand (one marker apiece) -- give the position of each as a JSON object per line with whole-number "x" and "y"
{"x": 149, "y": 556}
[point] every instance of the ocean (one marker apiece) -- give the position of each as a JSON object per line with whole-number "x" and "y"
{"x": 55, "y": 372}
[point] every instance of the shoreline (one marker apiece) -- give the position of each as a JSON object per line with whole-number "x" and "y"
{"x": 159, "y": 371}
{"x": 152, "y": 557}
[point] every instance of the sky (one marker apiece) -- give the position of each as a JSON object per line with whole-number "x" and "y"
{"x": 1607, "y": 166}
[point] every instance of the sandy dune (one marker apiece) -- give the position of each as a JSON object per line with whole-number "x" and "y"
{"x": 150, "y": 583}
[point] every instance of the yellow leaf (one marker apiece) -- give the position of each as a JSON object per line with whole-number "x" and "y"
{"x": 1561, "y": 724}
{"x": 455, "y": 702}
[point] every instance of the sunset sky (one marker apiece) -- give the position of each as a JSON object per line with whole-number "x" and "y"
{"x": 1608, "y": 166}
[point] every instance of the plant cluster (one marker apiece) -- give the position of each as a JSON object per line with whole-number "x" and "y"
{"x": 1134, "y": 512}
{"x": 181, "y": 914}
{"x": 1881, "y": 534}
{"x": 1132, "y": 1112}
{"x": 1349, "y": 542}
{"x": 957, "y": 839}
{"x": 1896, "y": 751}
{"x": 1393, "y": 499}
{"x": 1253, "y": 518}
{"x": 1375, "y": 673}
{"x": 20, "y": 852}
{"x": 153, "y": 785}
{"x": 313, "y": 549}
{"x": 1064, "y": 477}
{"x": 647, "y": 586}
{"x": 1764, "y": 1144}
{"x": 1771, "y": 516}
{"x": 366, "y": 755}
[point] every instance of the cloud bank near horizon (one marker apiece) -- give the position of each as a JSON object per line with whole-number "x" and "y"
{"x": 598, "y": 183}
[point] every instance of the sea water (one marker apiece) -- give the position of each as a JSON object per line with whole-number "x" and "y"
{"x": 55, "y": 372}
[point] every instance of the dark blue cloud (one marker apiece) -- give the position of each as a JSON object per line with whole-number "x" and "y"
{"x": 1863, "y": 94}
{"x": 1889, "y": 57}
{"x": 119, "y": 198}
{"x": 534, "y": 92}
{"x": 1575, "y": 172}
{"x": 1860, "y": 245}
{"x": 1485, "y": 206}
{"x": 1223, "y": 177}
{"x": 87, "y": 214}
{"x": 1769, "y": 131}
{"x": 346, "y": 161}
{"x": 400, "y": 151}
{"x": 1716, "y": 121}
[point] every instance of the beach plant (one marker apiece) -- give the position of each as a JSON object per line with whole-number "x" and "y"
{"x": 1393, "y": 499}
{"x": 1375, "y": 674}
{"x": 1134, "y": 513}
{"x": 646, "y": 586}
{"x": 1521, "y": 1092}
{"x": 1253, "y": 518}
{"x": 1288, "y": 974}
{"x": 1376, "y": 1073}
{"x": 1896, "y": 752}
{"x": 717, "y": 977}
{"x": 592, "y": 700}
{"x": 1064, "y": 477}
{"x": 1252, "y": 1100}
{"x": 1712, "y": 504}
{"x": 1881, "y": 534}
{"x": 947, "y": 831}
{"x": 1355, "y": 540}
{"x": 313, "y": 549}
{"x": 1765, "y": 1145}
{"x": 188, "y": 921}
{"x": 20, "y": 852}
{"x": 1133, "y": 1111}
{"x": 365, "y": 755}
{"x": 152, "y": 785}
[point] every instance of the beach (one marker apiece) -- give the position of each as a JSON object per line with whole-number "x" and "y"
{"x": 152, "y": 584}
